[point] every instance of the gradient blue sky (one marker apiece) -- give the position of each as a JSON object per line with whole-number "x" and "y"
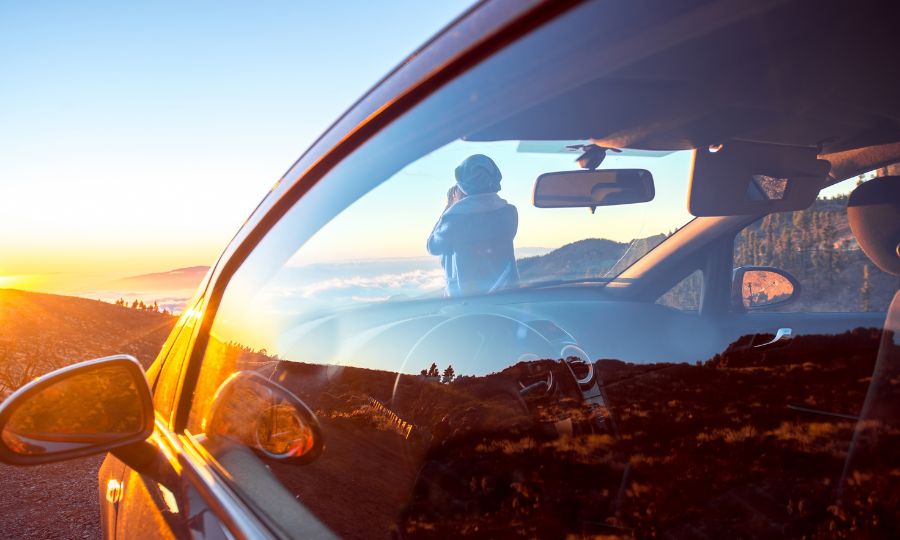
{"x": 137, "y": 137}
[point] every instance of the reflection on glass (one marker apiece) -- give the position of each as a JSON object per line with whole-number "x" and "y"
{"x": 547, "y": 447}
{"x": 773, "y": 188}
{"x": 87, "y": 409}
{"x": 260, "y": 415}
{"x": 763, "y": 288}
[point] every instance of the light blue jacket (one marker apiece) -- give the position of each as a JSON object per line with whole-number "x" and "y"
{"x": 474, "y": 239}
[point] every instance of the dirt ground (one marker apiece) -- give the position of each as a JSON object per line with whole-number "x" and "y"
{"x": 58, "y": 500}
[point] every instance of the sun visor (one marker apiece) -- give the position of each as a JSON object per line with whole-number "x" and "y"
{"x": 741, "y": 178}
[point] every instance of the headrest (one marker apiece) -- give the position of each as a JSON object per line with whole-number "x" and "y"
{"x": 874, "y": 214}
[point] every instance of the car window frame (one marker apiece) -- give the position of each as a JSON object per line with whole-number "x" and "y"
{"x": 192, "y": 310}
{"x": 187, "y": 323}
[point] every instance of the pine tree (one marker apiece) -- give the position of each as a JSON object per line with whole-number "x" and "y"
{"x": 433, "y": 371}
{"x": 748, "y": 246}
{"x": 865, "y": 292}
{"x": 770, "y": 241}
{"x": 830, "y": 257}
{"x": 448, "y": 375}
{"x": 754, "y": 250}
{"x": 789, "y": 262}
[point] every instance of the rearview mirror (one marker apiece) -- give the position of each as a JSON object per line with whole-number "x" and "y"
{"x": 265, "y": 417}
{"x": 83, "y": 409}
{"x": 755, "y": 287}
{"x": 590, "y": 189}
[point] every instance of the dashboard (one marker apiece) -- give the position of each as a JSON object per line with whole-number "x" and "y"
{"x": 487, "y": 334}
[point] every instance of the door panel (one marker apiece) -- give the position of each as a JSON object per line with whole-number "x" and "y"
{"x": 162, "y": 501}
{"x": 146, "y": 511}
{"x": 738, "y": 325}
{"x": 109, "y": 484}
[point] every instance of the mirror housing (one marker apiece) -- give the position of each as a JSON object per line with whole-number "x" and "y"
{"x": 590, "y": 189}
{"x": 757, "y": 287}
{"x": 87, "y": 408}
{"x": 264, "y": 416}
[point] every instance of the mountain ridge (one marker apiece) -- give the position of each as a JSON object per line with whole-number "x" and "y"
{"x": 179, "y": 278}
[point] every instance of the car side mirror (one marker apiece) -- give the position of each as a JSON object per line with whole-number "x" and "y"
{"x": 756, "y": 287}
{"x": 87, "y": 408}
{"x": 264, "y": 416}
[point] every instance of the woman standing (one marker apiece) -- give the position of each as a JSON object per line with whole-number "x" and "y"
{"x": 474, "y": 236}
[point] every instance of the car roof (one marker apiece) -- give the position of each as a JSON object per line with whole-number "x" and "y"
{"x": 802, "y": 73}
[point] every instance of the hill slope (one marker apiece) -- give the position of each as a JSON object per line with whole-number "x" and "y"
{"x": 41, "y": 332}
{"x": 592, "y": 257}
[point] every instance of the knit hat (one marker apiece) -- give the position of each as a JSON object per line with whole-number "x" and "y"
{"x": 478, "y": 174}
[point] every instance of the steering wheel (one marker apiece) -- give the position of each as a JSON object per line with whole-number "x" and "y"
{"x": 504, "y": 354}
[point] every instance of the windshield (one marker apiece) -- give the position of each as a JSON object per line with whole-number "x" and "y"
{"x": 390, "y": 257}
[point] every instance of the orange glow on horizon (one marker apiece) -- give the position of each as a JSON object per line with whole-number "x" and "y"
{"x": 22, "y": 282}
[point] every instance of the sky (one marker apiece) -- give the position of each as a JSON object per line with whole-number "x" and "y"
{"x": 137, "y": 137}
{"x": 416, "y": 196}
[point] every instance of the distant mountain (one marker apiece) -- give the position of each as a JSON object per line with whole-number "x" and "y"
{"x": 180, "y": 278}
{"x": 528, "y": 251}
{"x": 42, "y": 332}
{"x": 592, "y": 257}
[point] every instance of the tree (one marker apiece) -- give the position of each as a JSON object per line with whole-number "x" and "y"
{"x": 831, "y": 263}
{"x": 787, "y": 246}
{"x": 865, "y": 292}
{"x": 433, "y": 371}
{"x": 448, "y": 375}
{"x": 743, "y": 248}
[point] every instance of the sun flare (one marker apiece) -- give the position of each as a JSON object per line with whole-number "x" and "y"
{"x": 14, "y": 282}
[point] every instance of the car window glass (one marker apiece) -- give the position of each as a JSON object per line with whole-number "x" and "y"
{"x": 345, "y": 385}
{"x": 817, "y": 248}
{"x": 686, "y": 294}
